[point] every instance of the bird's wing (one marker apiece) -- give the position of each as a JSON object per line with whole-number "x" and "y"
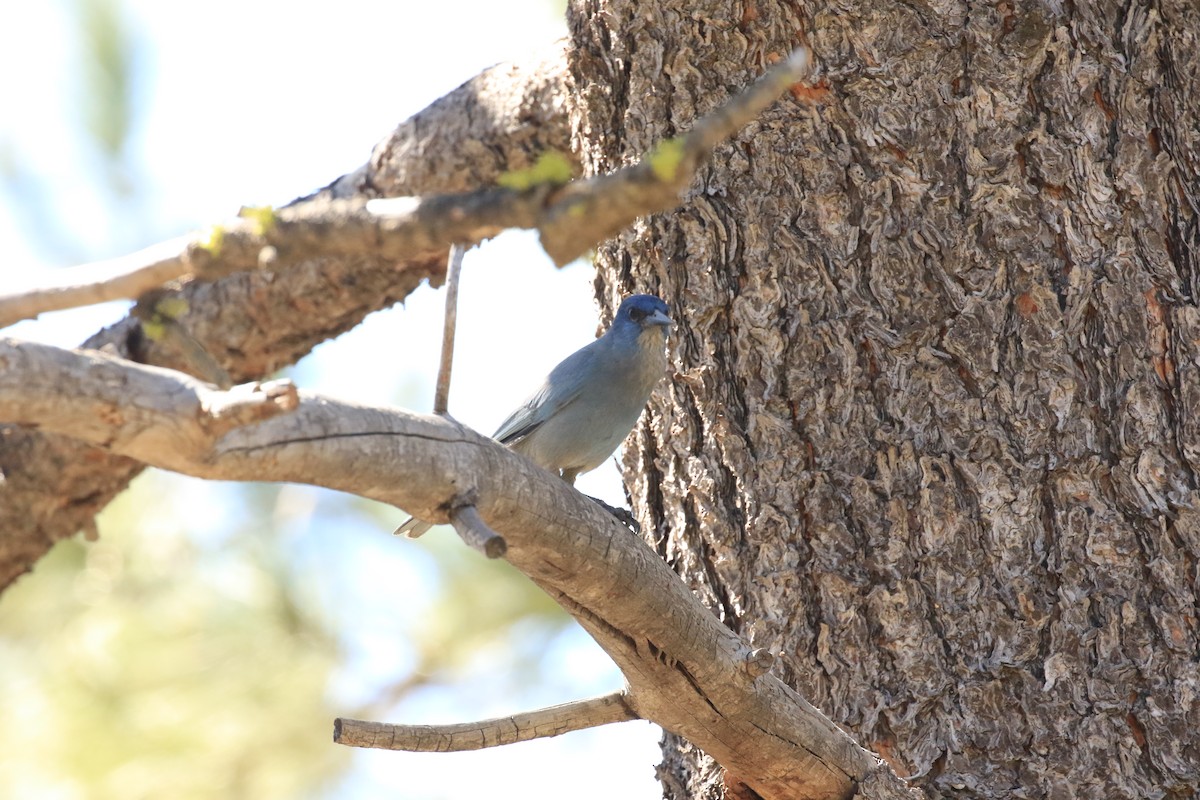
{"x": 562, "y": 387}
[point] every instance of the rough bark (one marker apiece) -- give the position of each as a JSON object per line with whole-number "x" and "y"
{"x": 499, "y": 121}
{"x": 932, "y": 432}
{"x": 254, "y": 323}
{"x": 684, "y": 669}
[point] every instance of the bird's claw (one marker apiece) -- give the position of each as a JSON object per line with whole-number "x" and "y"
{"x": 622, "y": 515}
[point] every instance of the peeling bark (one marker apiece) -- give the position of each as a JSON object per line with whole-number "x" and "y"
{"x": 932, "y": 432}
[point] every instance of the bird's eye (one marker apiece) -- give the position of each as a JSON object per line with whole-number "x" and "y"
{"x": 636, "y": 314}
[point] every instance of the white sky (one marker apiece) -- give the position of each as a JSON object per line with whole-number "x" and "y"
{"x": 245, "y": 103}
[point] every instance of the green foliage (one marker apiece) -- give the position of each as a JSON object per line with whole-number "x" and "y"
{"x": 482, "y": 613}
{"x": 146, "y": 666}
{"x": 154, "y": 330}
{"x": 107, "y": 98}
{"x": 172, "y": 307}
{"x": 212, "y": 240}
{"x": 153, "y": 663}
{"x": 156, "y": 326}
{"x": 484, "y": 608}
{"x": 107, "y": 55}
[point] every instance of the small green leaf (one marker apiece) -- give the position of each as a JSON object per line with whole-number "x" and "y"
{"x": 551, "y": 168}
{"x": 665, "y": 158}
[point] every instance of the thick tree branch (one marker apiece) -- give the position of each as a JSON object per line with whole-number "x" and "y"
{"x": 685, "y": 670}
{"x": 570, "y": 221}
{"x": 540, "y": 724}
{"x": 504, "y": 119}
{"x": 254, "y": 323}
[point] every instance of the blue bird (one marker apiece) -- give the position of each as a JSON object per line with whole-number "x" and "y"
{"x": 590, "y": 402}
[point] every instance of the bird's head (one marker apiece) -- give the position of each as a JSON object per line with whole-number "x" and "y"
{"x": 642, "y": 319}
{"x": 645, "y": 311}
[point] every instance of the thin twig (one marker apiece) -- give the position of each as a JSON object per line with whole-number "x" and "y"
{"x": 686, "y": 670}
{"x": 99, "y": 282}
{"x": 540, "y": 724}
{"x": 441, "y": 397}
{"x": 475, "y": 532}
{"x": 571, "y": 219}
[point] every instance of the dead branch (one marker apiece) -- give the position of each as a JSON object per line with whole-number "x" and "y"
{"x": 570, "y": 220}
{"x": 540, "y": 724}
{"x": 254, "y": 323}
{"x": 441, "y": 397}
{"x": 476, "y": 533}
{"x": 685, "y": 670}
{"x": 112, "y": 279}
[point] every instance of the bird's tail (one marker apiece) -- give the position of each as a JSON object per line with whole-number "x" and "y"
{"x": 413, "y": 527}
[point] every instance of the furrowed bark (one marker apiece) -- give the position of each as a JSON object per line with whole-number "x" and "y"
{"x": 934, "y": 437}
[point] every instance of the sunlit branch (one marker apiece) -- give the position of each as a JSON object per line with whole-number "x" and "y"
{"x": 539, "y": 724}
{"x": 99, "y": 282}
{"x": 685, "y": 669}
{"x": 571, "y": 218}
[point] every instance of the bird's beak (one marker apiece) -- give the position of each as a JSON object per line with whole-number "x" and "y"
{"x": 658, "y": 318}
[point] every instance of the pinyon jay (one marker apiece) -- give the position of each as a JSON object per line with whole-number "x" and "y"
{"x": 590, "y": 402}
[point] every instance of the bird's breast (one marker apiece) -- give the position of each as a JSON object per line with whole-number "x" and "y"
{"x": 587, "y": 430}
{"x": 652, "y": 357}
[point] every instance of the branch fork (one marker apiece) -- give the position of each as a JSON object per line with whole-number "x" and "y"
{"x": 691, "y": 674}
{"x": 247, "y": 404}
{"x": 685, "y": 670}
{"x": 571, "y": 219}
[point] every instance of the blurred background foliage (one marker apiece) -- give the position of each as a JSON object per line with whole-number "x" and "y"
{"x": 203, "y": 645}
{"x": 105, "y": 50}
{"x": 202, "y": 656}
{"x": 147, "y": 665}
{"x": 108, "y": 48}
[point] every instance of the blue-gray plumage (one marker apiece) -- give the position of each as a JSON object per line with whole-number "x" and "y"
{"x": 590, "y": 402}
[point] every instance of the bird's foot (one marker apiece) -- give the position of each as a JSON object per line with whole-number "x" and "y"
{"x": 623, "y": 515}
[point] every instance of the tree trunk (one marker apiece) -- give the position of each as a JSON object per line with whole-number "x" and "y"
{"x": 932, "y": 431}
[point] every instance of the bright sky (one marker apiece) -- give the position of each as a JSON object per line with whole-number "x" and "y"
{"x": 244, "y": 103}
